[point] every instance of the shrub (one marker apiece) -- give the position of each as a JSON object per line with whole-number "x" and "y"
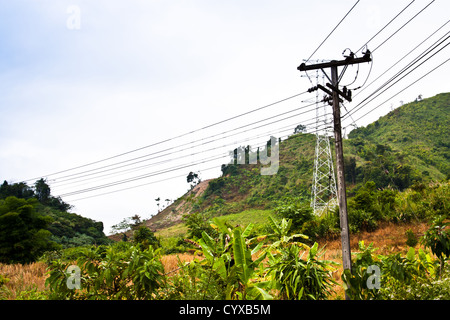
{"x": 411, "y": 238}
{"x": 401, "y": 277}
{"x": 326, "y": 226}
{"x": 301, "y": 279}
{"x": 295, "y": 209}
{"x": 355, "y": 282}
{"x": 361, "y": 220}
{"x": 33, "y": 294}
{"x": 437, "y": 238}
{"x": 145, "y": 237}
{"x": 107, "y": 274}
{"x": 197, "y": 223}
{"x": 214, "y": 187}
{"x": 422, "y": 289}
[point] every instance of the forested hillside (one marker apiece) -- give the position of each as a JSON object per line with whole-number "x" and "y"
{"x": 410, "y": 143}
{"x": 32, "y": 221}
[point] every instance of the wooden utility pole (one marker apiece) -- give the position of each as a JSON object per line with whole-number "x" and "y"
{"x": 335, "y": 93}
{"x": 342, "y": 195}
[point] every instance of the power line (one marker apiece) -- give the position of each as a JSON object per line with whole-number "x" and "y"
{"x": 159, "y": 181}
{"x": 216, "y": 157}
{"x": 240, "y": 115}
{"x": 376, "y": 34}
{"x": 360, "y": 105}
{"x": 365, "y": 45}
{"x": 138, "y": 186}
{"x": 393, "y": 65}
{"x": 402, "y": 58}
{"x": 403, "y": 26}
{"x": 212, "y": 158}
{"x": 429, "y": 72}
{"x": 170, "y": 160}
{"x": 169, "y": 139}
{"x": 185, "y": 146}
{"x": 332, "y": 31}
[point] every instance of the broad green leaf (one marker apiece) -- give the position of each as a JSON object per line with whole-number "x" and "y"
{"x": 257, "y": 248}
{"x": 220, "y": 225}
{"x": 313, "y": 250}
{"x": 241, "y": 256}
{"x": 411, "y": 254}
{"x": 247, "y": 230}
{"x": 219, "y": 267}
{"x": 274, "y": 225}
{"x": 300, "y": 294}
{"x": 207, "y": 250}
{"x": 259, "y": 292}
{"x": 239, "y": 247}
{"x": 286, "y": 226}
{"x": 208, "y": 240}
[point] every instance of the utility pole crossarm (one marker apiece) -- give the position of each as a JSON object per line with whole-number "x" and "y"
{"x": 334, "y": 63}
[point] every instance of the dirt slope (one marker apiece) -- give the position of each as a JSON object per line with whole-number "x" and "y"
{"x": 174, "y": 212}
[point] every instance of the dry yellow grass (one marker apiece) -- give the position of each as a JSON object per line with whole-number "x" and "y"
{"x": 32, "y": 276}
{"x": 23, "y": 278}
{"x": 388, "y": 238}
{"x": 170, "y": 262}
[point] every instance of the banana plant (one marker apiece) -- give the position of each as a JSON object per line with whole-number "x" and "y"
{"x": 245, "y": 268}
{"x": 216, "y": 253}
{"x": 297, "y": 278}
{"x": 281, "y": 231}
{"x": 230, "y": 257}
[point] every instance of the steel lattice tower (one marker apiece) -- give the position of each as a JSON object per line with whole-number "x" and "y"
{"x": 324, "y": 191}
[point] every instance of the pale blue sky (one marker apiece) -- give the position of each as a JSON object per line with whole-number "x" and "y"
{"x": 138, "y": 72}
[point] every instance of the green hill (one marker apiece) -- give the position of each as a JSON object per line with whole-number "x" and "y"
{"x": 32, "y": 221}
{"x": 418, "y": 132}
{"x": 407, "y": 146}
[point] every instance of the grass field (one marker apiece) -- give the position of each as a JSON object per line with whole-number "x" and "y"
{"x": 257, "y": 217}
{"x": 25, "y": 279}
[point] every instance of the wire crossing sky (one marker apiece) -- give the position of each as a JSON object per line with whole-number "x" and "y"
{"x": 116, "y": 102}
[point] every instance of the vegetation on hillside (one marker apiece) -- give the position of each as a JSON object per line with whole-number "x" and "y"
{"x": 234, "y": 262}
{"x": 251, "y": 236}
{"x": 32, "y": 221}
{"x": 411, "y": 139}
{"x": 410, "y": 145}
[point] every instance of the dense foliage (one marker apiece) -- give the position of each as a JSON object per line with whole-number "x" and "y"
{"x": 231, "y": 267}
{"x": 23, "y": 231}
{"x": 33, "y": 221}
{"x": 416, "y": 134}
{"x": 106, "y": 274}
{"x": 415, "y": 276}
{"x": 233, "y": 264}
{"x": 278, "y": 261}
{"x": 369, "y": 207}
